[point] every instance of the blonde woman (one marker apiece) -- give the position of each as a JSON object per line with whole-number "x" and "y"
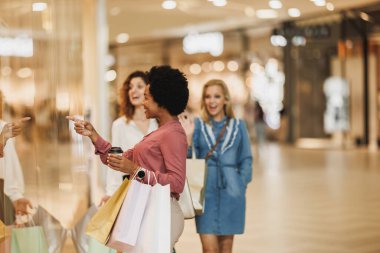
{"x": 229, "y": 167}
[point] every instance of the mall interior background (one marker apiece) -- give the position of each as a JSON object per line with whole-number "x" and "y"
{"x": 68, "y": 57}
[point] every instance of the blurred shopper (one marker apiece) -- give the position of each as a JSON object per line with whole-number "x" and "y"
{"x": 131, "y": 126}
{"x": 229, "y": 167}
{"x": 12, "y": 200}
{"x": 163, "y": 151}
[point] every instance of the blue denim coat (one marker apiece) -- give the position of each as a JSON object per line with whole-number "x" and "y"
{"x": 229, "y": 172}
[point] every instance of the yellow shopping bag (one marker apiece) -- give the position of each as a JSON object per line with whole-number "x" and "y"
{"x": 4, "y": 231}
{"x": 100, "y": 225}
{"x": 5, "y": 239}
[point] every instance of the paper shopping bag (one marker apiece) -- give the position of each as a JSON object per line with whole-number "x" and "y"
{"x": 5, "y": 239}
{"x": 4, "y": 231}
{"x": 128, "y": 222}
{"x": 28, "y": 240}
{"x": 196, "y": 173}
{"x": 78, "y": 233}
{"x": 154, "y": 234}
{"x": 96, "y": 247}
{"x": 55, "y": 234}
{"x": 102, "y": 222}
{"x": 5, "y": 245}
{"x": 186, "y": 202}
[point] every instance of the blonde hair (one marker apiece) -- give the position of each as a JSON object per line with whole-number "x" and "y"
{"x": 227, "y": 107}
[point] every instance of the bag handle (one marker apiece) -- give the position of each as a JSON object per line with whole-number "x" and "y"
{"x": 154, "y": 176}
{"x": 218, "y": 139}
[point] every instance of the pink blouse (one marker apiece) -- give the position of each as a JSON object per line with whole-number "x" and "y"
{"x": 162, "y": 151}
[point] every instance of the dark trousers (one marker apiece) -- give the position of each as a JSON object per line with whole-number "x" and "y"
{"x": 6, "y": 206}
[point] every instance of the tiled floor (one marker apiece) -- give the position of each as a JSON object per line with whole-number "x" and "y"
{"x": 306, "y": 201}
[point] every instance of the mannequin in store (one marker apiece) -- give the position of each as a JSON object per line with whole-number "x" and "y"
{"x": 229, "y": 167}
{"x": 12, "y": 200}
{"x": 163, "y": 151}
{"x": 131, "y": 126}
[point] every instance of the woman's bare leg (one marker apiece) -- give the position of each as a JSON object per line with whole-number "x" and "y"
{"x": 225, "y": 243}
{"x": 209, "y": 243}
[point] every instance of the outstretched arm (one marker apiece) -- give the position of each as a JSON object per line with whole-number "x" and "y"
{"x": 10, "y": 130}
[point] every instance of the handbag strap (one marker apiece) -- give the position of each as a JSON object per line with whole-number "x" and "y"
{"x": 217, "y": 140}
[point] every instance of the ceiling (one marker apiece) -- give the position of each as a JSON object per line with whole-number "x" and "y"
{"x": 146, "y": 19}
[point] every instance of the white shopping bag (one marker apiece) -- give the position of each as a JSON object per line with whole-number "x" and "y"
{"x": 154, "y": 235}
{"x": 127, "y": 225}
{"x": 186, "y": 202}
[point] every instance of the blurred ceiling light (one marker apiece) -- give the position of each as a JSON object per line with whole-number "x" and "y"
{"x": 266, "y": 13}
{"x": 249, "y": 11}
{"x": 6, "y": 71}
{"x": 111, "y": 75}
{"x": 109, "y": 60}
{"x": 294, "y": 12}
{"x": 299, "y": 41}
{"x": 169, "y": 4}
{"x": 232, "y": 66}
{"x": 24, "y": 72}
{"x": 122, "y": 38}
{"x": 218, "y": 66}
{"x": 39, "y": 6}
{"x": 219, "y": 3}
{"x": 195, "y": 69}
{"x": 115, "y": 11}
{"x": 330, "y": 6}
{"x": 206, "y": 67}
{"x": 256, "y": 68}
{"x": 275, "y": 4}
{"x": 364, "y": 16}
{"x": 21, "y": 46}
{"x": 320, "y": 2}
{"x": 203, "y": 43}
{"x": 278, "y": 41}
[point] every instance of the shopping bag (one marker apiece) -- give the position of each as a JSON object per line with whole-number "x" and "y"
{"x": 154, "y": 234}
{"x": 128, "y": 222}
{"x": 196, "y": 174}
{"x": 5, "y": 242}
{"x": 4, "y": 231}
{"x": 28, "y": 240}
{"x": 78, "y": 233}
{"x": 186, "y": 202}
{"x": 102, "y": 222}
{"x": 55, "y": 234}
{"x": 96, "y": 247}
{"x": 82, "y": 242}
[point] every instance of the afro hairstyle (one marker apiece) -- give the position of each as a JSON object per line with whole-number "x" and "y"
{"x": 168, "y": 88}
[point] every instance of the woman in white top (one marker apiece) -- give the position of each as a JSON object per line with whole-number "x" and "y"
{"x": 11, "y": 177}
{"x": 131, "y": 126}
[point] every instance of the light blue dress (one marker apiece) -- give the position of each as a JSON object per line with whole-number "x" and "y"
{"x": 229, "y": 172}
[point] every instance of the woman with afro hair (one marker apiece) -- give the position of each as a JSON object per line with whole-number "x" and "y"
{"x": 131, "y": 126}
{"x": 163, "y": 151}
